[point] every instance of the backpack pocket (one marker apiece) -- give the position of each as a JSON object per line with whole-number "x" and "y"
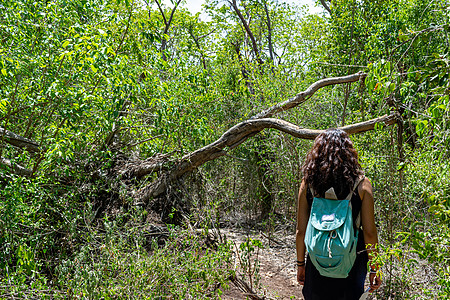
{"x": 328, "y": 215}
{"x": 329, "y": 263}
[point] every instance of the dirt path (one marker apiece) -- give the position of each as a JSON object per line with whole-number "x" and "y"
{"x": 278, "y": 273}
{"x": 276, "y": 261}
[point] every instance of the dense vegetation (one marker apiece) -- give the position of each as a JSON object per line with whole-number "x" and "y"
{"x": 101, "y": 100}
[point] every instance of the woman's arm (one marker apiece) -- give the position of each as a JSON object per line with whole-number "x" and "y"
{"x": 369, "y": 230}
{"x": 302, "y": 222}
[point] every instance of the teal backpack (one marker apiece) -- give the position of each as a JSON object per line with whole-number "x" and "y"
{"x": 330, "y": 235}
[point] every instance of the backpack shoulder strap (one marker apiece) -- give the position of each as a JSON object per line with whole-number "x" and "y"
{"x": 357, "y": 182}
{"x": 358, "y": 217}
{"x": 313, "y": 193}
{"x": 330, "y": 193}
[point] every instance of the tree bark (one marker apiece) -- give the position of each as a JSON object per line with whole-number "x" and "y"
{"x": 303, "y": 96}
{"x": 19, "y": 141}
{"x": 236, "y": 136}
{"x": 14, "y": 168}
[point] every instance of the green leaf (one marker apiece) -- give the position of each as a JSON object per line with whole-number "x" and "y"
{"x": 94, "y": 69}
{"x": 3, "y": 104}
{"x": 436, "y": 113}
{"x": 4, "y": 72}
{"x": 392, "y": 87}
{"x": 389, "y": 67}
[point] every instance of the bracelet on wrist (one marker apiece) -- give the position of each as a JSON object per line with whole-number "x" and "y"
{"x": 300, "y": 263}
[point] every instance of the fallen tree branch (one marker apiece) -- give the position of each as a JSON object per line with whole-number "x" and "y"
{"x": 138, "y": 168}
{"x": 14, "y": 168}
{"x": 235, "y": 136}
{"x": 239, "y": 133}
{"x": 19, "y": 141}
{"x": 303, "y": 96}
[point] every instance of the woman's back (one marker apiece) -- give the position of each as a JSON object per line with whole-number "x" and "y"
{"x": 333, "y": 162}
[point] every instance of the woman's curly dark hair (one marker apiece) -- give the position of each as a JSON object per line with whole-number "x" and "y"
{"x": 332, "y": 162}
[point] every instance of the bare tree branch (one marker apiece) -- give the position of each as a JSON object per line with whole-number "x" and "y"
{"x": 303, "y": 96}
{"x": 14, "y": 168}
{"x": 243, "y": 286}
{"x": 171, "y": 16}
{"x": 239, "y": 133}
{"x": 197, "y": 43}
{"x": 269, "y": 30}
{"x": 235, "y": 136}
{"x": 19, "y": 141}
{"x": 144, "y": 141}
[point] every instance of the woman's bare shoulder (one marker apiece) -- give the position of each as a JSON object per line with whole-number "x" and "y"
{"x": 365, "y": 187}
{"x": 303, "y": 186}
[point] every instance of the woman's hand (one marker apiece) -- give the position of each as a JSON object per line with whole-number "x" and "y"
{"x": 301, "y": 274}
{"x": 375, "y": 281}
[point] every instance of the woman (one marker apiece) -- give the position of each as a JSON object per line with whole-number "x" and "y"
{"x": 333, "y": 162}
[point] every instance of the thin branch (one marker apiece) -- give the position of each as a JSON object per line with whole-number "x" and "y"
{"x": 325, "y": 5}
{"x": 167, "y": 25}
{"x": 23, "y": 108}
{"x": 269, "y": 29}
{"x": 162, "y": 12}
{"x": 171, "y": 16}
{"x": 337, "y": 65}
{"x": 197, "y": 43}
{"x": 144, "y": 141}
{"x": 207, "y": 34}
{"x": 243, "y": 286}
{"x": 247, "y": 29}
{"x": 346, "y": 95}
{"x": 114, "y": 130}
{"x": 429, "y": 29}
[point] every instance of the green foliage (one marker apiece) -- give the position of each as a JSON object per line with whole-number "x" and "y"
{"x": 184, "y": 267}
{"x": 32, "y": 220}
{"x": 247, "y": 255}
